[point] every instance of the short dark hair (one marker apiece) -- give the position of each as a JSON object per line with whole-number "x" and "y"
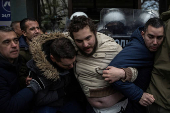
{"x": 22, "y": 23}
{"x": 6, "y": 29}
{"x": 79, "y": 22}
{"x": 154, "y": 22}
{"x": 14, "y": 23}
{"x": 62, "y": 48}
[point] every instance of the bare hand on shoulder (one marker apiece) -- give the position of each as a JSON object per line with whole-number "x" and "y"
{"x": 146, "y": 99}
{"x": 28, "y": 79}
{"x": 112, "y": 74}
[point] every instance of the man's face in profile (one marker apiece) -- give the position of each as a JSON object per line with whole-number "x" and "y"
{"x": 17, "y": 29}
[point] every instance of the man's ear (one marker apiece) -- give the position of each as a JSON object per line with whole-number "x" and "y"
{"x": 52, "y": 58}
{"x": 142, "y": 33}
{"x": 24, "y": 33}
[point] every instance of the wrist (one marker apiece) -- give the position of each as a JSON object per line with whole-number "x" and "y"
{"x": 127, "y": 74}
{"x": 31, "y": 89}
{"x": 34, "y": 85}
{"x": 123, "y": 74}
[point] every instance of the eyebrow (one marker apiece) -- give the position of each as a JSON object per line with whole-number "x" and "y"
{"x": 84, "y": 38}
{"x": 150, "y": 35}
{"x": 157, "y": 36}
{"x": 88, "y": 36}
{"x": 9, "y": 39}
{"x": 68, "y": 64}
{"x": 5, "y": 40}
{"x": 34, "y": 27}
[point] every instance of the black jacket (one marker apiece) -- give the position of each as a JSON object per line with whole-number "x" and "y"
{"x": 12, "y": 98}
{"x": 63, "y": 85}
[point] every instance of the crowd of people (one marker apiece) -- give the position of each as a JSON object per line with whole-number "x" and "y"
{"x": 84, "y": 71}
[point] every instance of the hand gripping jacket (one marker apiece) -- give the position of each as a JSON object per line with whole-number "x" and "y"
{"x": 88, "y": 70}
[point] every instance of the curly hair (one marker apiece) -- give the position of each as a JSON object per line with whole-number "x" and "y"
{"x": 79, "y": 22}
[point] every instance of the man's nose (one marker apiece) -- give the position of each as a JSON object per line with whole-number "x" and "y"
{"x": 13, "y": 44}
{"x": 85, "y": 43}
{"x": 37, "y": 30}
{"x": 71, "y": 66}
{"x": 155, "y": 41}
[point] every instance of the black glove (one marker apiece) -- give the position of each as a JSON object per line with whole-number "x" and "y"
{"x": 38, "y": 82}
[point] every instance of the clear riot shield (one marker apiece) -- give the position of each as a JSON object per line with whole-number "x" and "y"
{"x": 120, "y": 23}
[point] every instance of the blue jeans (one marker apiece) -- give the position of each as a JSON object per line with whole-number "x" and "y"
{"x": 70, "y": 107}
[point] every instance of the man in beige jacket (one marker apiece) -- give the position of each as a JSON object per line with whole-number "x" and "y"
{"x": 95, "y": 52}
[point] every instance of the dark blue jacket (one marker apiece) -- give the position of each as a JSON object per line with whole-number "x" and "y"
{"x": 24, "y": 49}
{"x": 22, "y": 42}
{"x": 12, "y": 98}
{"x": 137, "y": 55}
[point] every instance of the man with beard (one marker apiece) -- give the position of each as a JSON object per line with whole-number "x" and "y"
{"x": 96, "y": 50}
{"x": 138, "y": 53}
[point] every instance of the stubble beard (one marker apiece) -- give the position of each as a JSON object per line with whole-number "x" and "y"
{"x": 94, "y": 49}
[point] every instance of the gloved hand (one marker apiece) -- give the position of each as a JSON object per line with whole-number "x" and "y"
{"x": 38, "y": 82}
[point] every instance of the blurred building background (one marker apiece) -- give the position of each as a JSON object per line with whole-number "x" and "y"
{"x": 53, "y": 14}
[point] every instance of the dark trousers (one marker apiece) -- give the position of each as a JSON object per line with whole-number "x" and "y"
{"x": 70, "y": 107}
{"x": 155, "y": 108}
{"x": 135, "y": 107}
